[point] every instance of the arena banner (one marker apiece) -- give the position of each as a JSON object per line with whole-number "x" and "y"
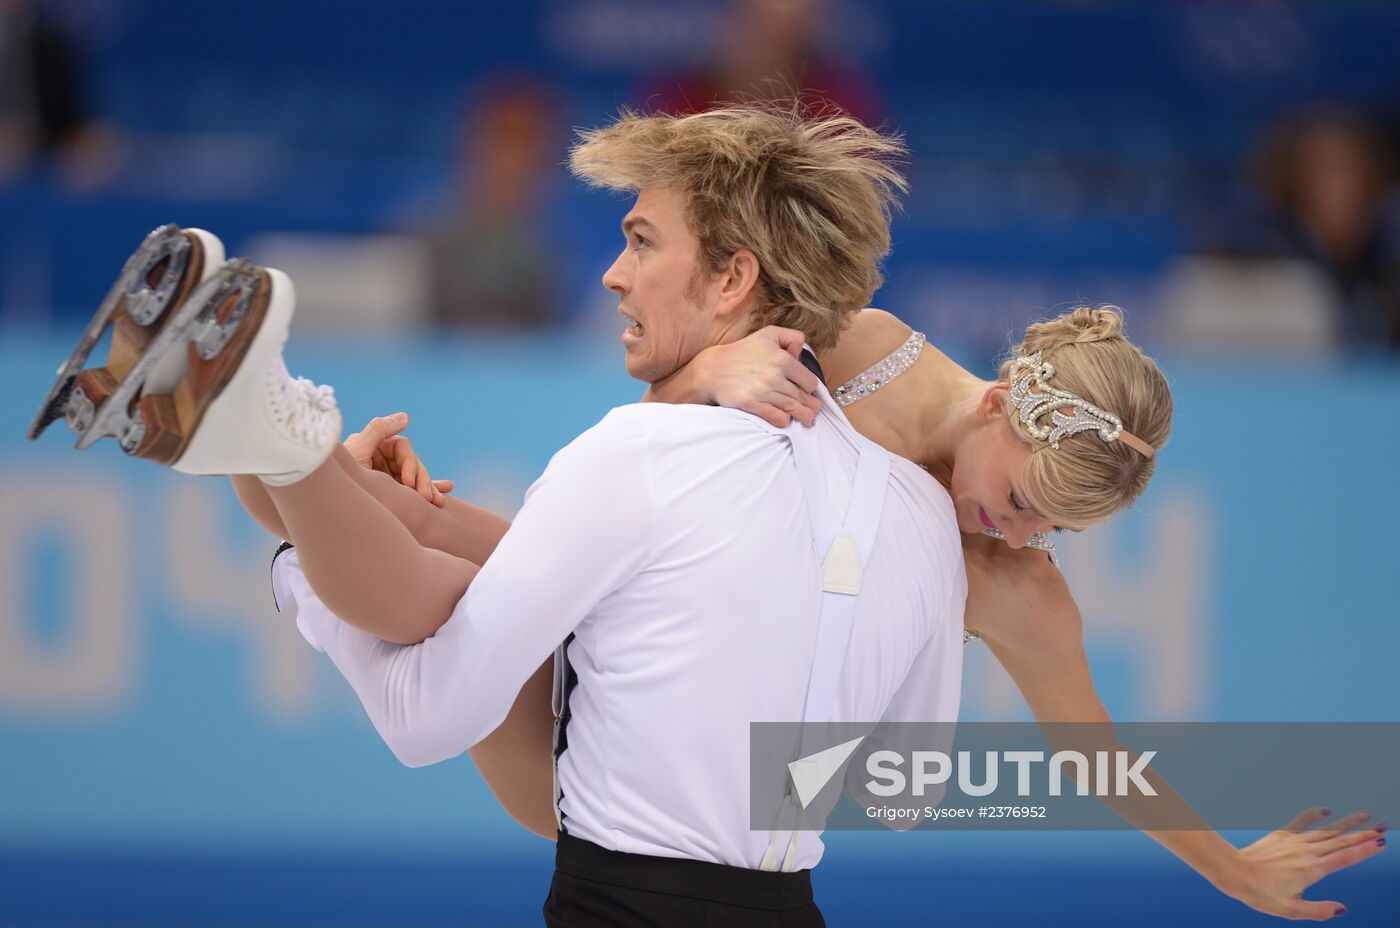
{"x": 151, "y": 695}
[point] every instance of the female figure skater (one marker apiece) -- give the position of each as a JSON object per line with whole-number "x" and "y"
{"x": 1010, "y": 462}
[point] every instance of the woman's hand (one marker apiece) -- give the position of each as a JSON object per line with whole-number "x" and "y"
{"x": 1273, "y": 871}
{"x": 760, "y": 374}
{"x": 379, "y": 446}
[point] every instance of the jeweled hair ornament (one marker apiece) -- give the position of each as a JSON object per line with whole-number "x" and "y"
{"x": 1032, "y": 406}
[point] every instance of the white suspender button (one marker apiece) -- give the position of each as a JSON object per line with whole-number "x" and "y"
{"x": 841, "y": 569}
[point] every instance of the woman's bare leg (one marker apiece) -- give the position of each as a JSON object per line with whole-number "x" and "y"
{"x": 515, "y": 760}
{"x": 458, "y": 527}
{"x": 363, "y": 563}
{"x": 255, "y": 501}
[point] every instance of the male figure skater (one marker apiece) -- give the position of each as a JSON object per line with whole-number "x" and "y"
{"x": 708, "y": 569}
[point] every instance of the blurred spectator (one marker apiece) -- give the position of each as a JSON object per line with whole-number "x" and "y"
{"x": 42, "y": 111}
{"x": 771, "y": 49}
{"x": 491, "y": 267}
{"x": 1327, "y": 175}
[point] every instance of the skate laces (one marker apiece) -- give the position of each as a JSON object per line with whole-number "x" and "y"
{"x": 308, "y": 410}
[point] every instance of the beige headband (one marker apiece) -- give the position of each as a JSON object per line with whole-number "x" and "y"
{"x": 1032, "y": 405}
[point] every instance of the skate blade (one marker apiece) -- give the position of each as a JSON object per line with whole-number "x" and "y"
{"x": 200, "y": 323}
{"x": 133, "y": 292}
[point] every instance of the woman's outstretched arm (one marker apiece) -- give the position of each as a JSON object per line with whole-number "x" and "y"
{"x": 1023, "y": 609}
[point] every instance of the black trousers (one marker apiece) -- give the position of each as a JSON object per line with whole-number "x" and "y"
{"x": 597, "y": 888}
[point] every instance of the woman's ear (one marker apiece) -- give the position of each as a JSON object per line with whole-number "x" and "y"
{"x": 994, "y": 403}
{"x": 737, "y": 281}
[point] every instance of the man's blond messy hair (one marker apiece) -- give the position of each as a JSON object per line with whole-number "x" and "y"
{"x": 809, "y": 192}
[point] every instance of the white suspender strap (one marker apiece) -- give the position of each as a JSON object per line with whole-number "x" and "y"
{"x": 845, "y": 545}
{"x": 557, "y": 700}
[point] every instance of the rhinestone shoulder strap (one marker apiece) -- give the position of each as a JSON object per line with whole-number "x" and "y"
{"x": 882, "y": 372}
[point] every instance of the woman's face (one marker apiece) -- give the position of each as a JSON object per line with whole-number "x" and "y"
{"x": 987, "y": 487}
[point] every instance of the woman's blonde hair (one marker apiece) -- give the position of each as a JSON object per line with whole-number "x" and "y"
{"x": 808, "y": 192}
{"x": 1087, "y": 479}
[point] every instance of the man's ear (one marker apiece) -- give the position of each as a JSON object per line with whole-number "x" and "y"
{"x": 737, "y": 281}
{"x": 994, "y": 402}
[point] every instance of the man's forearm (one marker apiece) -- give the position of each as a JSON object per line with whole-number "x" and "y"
{"x": 429, "y": 701}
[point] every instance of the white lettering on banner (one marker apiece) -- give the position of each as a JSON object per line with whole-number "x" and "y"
{"x": 922, "y": 778}
{"x": 884, "y": 767}
{"x": 215, "y": 584}
{"x": 89, "y": 669}
{"x": 1023, "y": 761}
{"x": 1081, "y": 772}
{"x": 987, "y": 786}
{"x": 890, "y": 781}
{"x": 1154, "y": 607}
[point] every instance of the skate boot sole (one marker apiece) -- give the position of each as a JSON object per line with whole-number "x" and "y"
{"x": 159, "y": 275}
{"x": 215, "y": 327}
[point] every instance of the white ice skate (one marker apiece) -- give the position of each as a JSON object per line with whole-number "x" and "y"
{"x": 204, "y": 389}
{"x": 158, "y": 277}
{"x": 234, "y": 409}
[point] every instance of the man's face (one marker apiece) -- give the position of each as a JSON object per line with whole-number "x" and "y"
{"x": 667, "y": 302}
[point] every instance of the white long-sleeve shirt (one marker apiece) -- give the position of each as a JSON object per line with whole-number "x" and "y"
{"x": 675, "y": 544}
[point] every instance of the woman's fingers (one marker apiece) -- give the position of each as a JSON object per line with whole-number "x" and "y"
{"x": 1347, "y": 840}
{"x": 1307, "y": 818}
{"x": 795, "y": 408}
{"x": 1338, "y": 827}
{"x": 797, "y": 373}
{"x": 769, "y": 413}
{"x": 1339, "y": 860}
{"x": 1304, "y": 910}
{"x": 788, "y": 340}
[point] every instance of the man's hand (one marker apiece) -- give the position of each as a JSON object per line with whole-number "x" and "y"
{"x": 380, "y": 446}
{"x": 761, "y": 375}
{"x": 1274, "y": 871}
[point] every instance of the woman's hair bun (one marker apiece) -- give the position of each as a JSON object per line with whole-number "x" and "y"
{"x": 1079, "y": 326}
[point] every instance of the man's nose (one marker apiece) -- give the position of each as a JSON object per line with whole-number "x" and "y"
{"x": 613, "y": 277}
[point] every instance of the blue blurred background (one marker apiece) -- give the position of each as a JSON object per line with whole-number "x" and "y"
{"x": 172, "y": 753}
